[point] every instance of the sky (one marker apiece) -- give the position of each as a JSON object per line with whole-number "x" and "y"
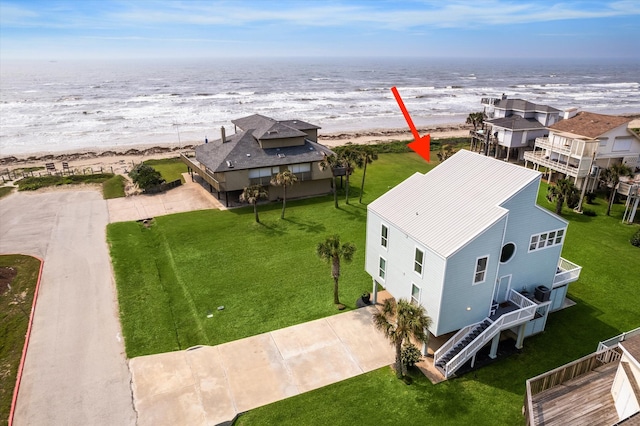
{"x": 110, "y": 29}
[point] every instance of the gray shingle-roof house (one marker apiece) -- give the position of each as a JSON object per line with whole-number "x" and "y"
{"x": 261, "y": 148}
{"x": 469, "y": 243}
{"x": 513, "y": 124}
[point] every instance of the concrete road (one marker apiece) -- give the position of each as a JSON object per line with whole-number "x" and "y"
{"x": 208, "y": 385}
{"x": 76, "y": 371}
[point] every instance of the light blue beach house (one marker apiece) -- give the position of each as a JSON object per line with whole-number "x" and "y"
{"x": 469, "y": 243}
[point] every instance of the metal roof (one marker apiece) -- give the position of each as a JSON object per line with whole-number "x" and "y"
{"x": 449, "y": 206}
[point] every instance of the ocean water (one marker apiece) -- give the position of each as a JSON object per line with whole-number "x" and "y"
{"x": 52, "y": 107}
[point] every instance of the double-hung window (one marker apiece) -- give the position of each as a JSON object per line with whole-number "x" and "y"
{"x": 418, "y": 261}
{"x": 415, "y": 294}
{"x": 382, "y": 269}
{"x": 384, "y": 236}
{"x": 481, "y": 270}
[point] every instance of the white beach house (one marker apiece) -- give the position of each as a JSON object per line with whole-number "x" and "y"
{"x": 512, "y": 125}
{"x": 468, "y": 242}
{"x": 583, "y": 144}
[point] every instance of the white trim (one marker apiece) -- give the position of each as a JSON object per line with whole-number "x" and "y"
{"x": 475, "y": 270}
{"x": 537, "y": 242}
{"x": 515, "y": 250}
{"x": 380, "y": 268}
{"x": 415, "y": 262}
{"x": 386, "y": 239}
{"x": 419, "y": 294}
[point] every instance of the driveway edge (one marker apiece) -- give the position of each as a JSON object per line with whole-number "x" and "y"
{"x": 16, "y": 388}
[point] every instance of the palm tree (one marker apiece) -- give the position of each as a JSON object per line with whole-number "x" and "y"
{"x": 446, "y": 151}
{"x": 366, "y": 156}
{"x": 400, "y": 322}
{"x": 252, "y": 194}
{"x": 611, "y": 177}
{"x": 284, "y": 179}
{"x": 330, "y": 250}
{"x": 331, "y": 162}
{"x": 475, "y": 119}
{"x": 563, "y": 190}
{"x": 348, "y": 156}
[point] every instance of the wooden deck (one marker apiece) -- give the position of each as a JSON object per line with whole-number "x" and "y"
{"x": 585, "y": 400}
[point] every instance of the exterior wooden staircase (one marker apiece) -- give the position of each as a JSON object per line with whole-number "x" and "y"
{"x": 469, "y": 340}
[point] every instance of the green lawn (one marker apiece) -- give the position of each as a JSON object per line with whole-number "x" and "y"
{"x": 267, "y": 276}
{"x": 170, "y": 275}
{"x": 15, "y": 308}
{"x": 170, "y": 168}
{"x": 607, "y": 304}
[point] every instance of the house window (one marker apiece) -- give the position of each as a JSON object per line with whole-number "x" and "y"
{"x": 481, "y": 270}
{"x": 384, "y": 235}
{"x": 546, "y": 239}
{"x": 415, "y": 294}
{"x": 417, "y": 266}
{"x": 508, "y": 250}
{"x": 382, "y": 270}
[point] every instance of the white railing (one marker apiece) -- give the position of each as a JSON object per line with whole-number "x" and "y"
{"x": 460, "y": 335}
{"x": 569, "y": 272}
{"x": 538, "y": 157}
{"x": 525, "y": 313}
{"x": 609, "y": 343}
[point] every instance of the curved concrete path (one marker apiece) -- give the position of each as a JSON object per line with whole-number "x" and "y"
{"x": 208, "y": 385}
{"x": 75, "y": 372}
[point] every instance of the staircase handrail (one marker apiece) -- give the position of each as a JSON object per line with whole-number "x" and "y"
{"x": 525, "y": 313}
{"x": 460, "y": 335}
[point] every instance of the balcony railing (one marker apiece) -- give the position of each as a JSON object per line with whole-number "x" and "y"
{"x": 567, "y": 272}
{"x": 539, "y": 157}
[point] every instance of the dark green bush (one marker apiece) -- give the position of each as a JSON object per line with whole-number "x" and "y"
{"x": 146, "y": 177}
{"x": 591, "y": 196}
{"x": 410, "y": 354}
{"x": 635, "y": 240}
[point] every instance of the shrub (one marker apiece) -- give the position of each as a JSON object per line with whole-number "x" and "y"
{"x": 589, "y": 212}
{"x": 410, "y": 354}
{"x": 146, "y": 177}
{"x": 591, "y": 196}
{"x": 635, "y": 239}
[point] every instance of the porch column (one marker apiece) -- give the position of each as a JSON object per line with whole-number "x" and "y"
{"x": 494, "y": 346}
{"x": 375, "y": 291}
{"x": 520, "y": 341}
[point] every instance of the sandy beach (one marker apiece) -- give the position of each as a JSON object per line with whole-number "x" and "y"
{"x": 121, "y": 162}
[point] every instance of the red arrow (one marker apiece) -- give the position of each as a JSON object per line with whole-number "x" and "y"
{"x": 421, "y": 145}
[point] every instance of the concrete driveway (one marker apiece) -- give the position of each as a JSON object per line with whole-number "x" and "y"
{"x": 208, "y": 385}
{"x": 75, "y": 371}
{"x": 188, "y": 197}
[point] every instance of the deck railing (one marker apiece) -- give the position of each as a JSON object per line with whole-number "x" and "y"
{"x": 563, "y": 374}
{"x": 525, "y": 313}
{"x": 202, "y": 171}
{"x": 569, "y": 272}
{"x": 613, "y": 342}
